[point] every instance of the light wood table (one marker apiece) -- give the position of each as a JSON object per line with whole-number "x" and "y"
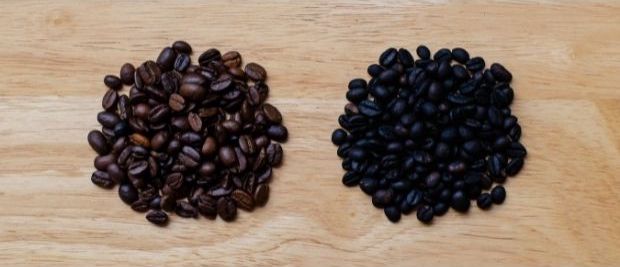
{"x": 562, "y": 210}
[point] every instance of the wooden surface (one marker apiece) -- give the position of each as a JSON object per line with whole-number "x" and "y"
{"x": 562, "y": 210}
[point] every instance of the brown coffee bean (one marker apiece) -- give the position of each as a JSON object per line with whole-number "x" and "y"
{"x": 184, "y": 209}
{"x": 109, "y": 100}
{"x": 127, "y": 73}
{"x": 141, "y": 140}
{"x": 153, "y": 167}
{"x": 159, "y": 140}
{"x": 274, "y": 154}
{"x": 159, "y": 113}
{"x": 180, "y": 123}
{"x": 227, "y": 156}
{"x": 262, "y": 142}
{"x": 193, "y": 92}
{"x": 102, "y": 179}
{"x": 141, "y": 111}
{"x": 176, "y": 102}
{"x": 182, "y": 47}
{"x": 140, "y": 205}
{"x": 232, "y": 59}
{"x": 207, "y": 206}
{"x": 231, "y": 126}
{"x": 237, "y": 73}
{"x": 207, "y": 169}
{"x": 166, "y": 58}
{"x": 157, "y": 217}
{"x": 241, "y": 159}
{"x": 277, "y": 133}
{"x": 246, "y": 144}
{"x": 255, "y": 72}
{"x": 191, "y": 138}
{"x": 97, "y": 142}
{"x": 149, "y": 73}
{"x": 113, "y": 82}
{"x": 138, "y": 169}
{"x": 227, "y": 209}
{"x": 244, "y": 200}
{"x": 253, "y": 96}
{"x": 120, "y": 144}
{"x": 124, "y": 107}
{"x": 209, "y": 56}
{"x": 261, "y": 160}
{"x": 115, "y": 172}
{"x": 102, "y": 162}
{"x": 264, "y": 176}
{"x": 195, "y": 122}
{"x": 272, "y": 114}
{"x": 261, "y": 195}
{"x": 222, "y": 83}
{"x": 209, "y": 147}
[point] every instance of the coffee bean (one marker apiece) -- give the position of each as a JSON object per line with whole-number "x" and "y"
{"x": 97, "y": 142}
{"x": 227, "y": 209}
{"x": 484, "y": 201}
{"x": 277, "y": 133}
{"x": 166, "y": 58}
{"x": 274, "y": 154}
{"x": 102, "y": 179}
{"x": 460, "y": 55}
{"x": 255, "y": 72}
{"x": 247, "y": 145}
{"x": 209, "y": 56}
{"x": 113, "y": 82}
{"x": 195, "y": 122}
{"x": 244, "y": 200}
{"x": 514, "y": 166}
{"x": 138, "y": 169}
{"x": 140, "y": 205}
{"x": 149, "y": 73}
{"x": 157, "y": 217}
{"x": 109, "y": 100}
{"x": 261, "y": 195}
{"x": 423, "y": 52}
{"x": 272, "y": 113}
{"x": 182, "y": 47}
{"x": 475, "y": 64}
{"x": 369, "y": 108}
{"x": 207, "y": 206}
{"x": 425, "y": 214}
{"x": 460, "y": 202}
{"x": 184, "y": 209}
{"x": 232, "y": 59}
{"x": 392, "y": 213}
{"x": 182, "y": 62}
{"x": 127, "y": 74}
{"x": 498, "y": 194}
{"x": 500, "y": 73}
{"x": 222, "y": 83}
{"x": 115, "y": 172}
{"x": 103, "y": 161}
{"x": 440, "y": 208}
{"x": 227, "y": 156}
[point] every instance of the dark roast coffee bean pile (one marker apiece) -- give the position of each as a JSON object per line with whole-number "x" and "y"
{"x": 189, "y": 138}
{"x": 430, "y": 133}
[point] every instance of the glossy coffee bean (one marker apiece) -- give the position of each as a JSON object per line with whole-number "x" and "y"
{"x": 498, "y": 194}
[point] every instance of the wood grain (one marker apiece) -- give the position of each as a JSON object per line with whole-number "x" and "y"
{"x": 562, "y": 210}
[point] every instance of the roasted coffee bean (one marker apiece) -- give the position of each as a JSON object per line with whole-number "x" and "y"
{"x": 277, "y": 133}
{"x": 209, "y": 56}
{"x": 227, "y": 156}
{"x": 484, "y": 201}
{"x": 97, "y": 142}
{"x": 222, "y": 83}
{"x": 108, "y": 119}
{"x": 207, "y": 206}
{"x": 227, "y": 209}
{"x": 102, "y": 179}
{"x": 460, "y": 55}
{"x": 247, "y": 145}
{"x": 255, "y": 72}
{"x": 127, "y": 73}
{"x": 103, "y": 161}
{"x": 425, "y": 214}
{"x": 182, "y": 47}
{"x": 514, "y": 166}
{"x": 182, "y": 62}
{"x": 392, "y": 213}
{"x": 113, "y": 82}
{"x": 209, "y": 147}
{"x": 498, "y": 194}
{"x": 186, "y": 210}
{"x": 138, "y": 169}
{"x": 157, "y": 217}
{"x": 109, "y": 100}
{"x": 272, "y": 114}
{"x": 500, "y": 73}
{"x": 195, "y": 122}
{"x": 261, "y": 195}
{"x": 193, "y": 92}
{"x": 166, "y": 58}
{"x": 149, "y": 73}
{"x": 244, "y": 200}
{"x": 140, "y": 205}
{"x": 232, "y": 59}
{"x": 274, "y": 154}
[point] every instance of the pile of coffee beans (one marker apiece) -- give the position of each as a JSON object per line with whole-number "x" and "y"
{"x": 188, "y": 138}
{"x": 430, "y": 133}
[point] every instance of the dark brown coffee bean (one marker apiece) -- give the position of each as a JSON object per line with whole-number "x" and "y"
{"x": 244, "y": 200}
{"x": 159, "y": 140}
{"x": 193, "y": 92}
{"x": 159, "y": 113}
{"x": 149, "y": 72}
{"x": 261, "y": 195}
{"x": 97, "y": 142}
{"x": 176, "y": 102}
{"x": 191, "y": 152}
{"x": 166, "y": 58}
{"x": 138, "y": 125}
{"x": 168, "y": 203}
{"x": 274, "y": 154}
{"x": 195, "y": 122}
{"x": 222, "y": 83}
{"x": 109, "y": 100}
{"x": 231, "y": 126}
{"x": 124, "y": 107}
{"x": 141, "y": 111}
{"x": 246, "y": 144}
{"x": 127, "y": 193}
{"x": 191, "y": 138}
{"x": 157, "y": 217}
{"x": 227, "y": 209}
{"x": 277, "y": 132}
{"x": 182, "y": 47}
{"x": 115, "y": 172}
{"x": 194, "y": 78}
{"x": 255, "y": 72}
{"x": 209, "y": 56}
{"x": 272, "y": 113}
{"x": 180, "y": 123}
{"x": 262, "y": 142}
{"x": 113, "y": 82}
{"x": 184, "y": 209}
{"x": 207, "y": 206}
{"x": 120, "y": 144}
{"x": 108, "y": 119}
{"x": 138, "y": 169}
{"x": 127, "y": 73}
{"x": 242, "y": 160}
{"x": 232, "y": 59}
{"x": 207, "y": 169}
{"x": 140, "y": 205}
{"x": 227, "y": 156}
{"x": 182, "y": 62}
{"x": 102, "y": 162}
{"x": 209, "y": 147}
{"x": 102, "y": 179}
{"x": 253, "y": 96}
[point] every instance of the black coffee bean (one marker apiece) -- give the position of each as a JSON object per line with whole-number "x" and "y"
{"x": 460, "y": 55}
{"x": 514, "y": 166}
{"x": 460, "y": 202}
{"x": 369, "y": 108}
{"x": 127, "y": 73}
{"x": 350, "y": 179}
{"x": 500, "y": 73}
{"x": 109, "y": 100}
{"x": 157, "y": 217}
{"x": 277, "y": 132}
{"x": 484, "y": 201}
{"x": 425, "y": 214}
{"x": 388, "y": 57}
{"x": 339, "y": 136}
{"x": 423, "y": 52}
{"x": 392, "y": 213}
{"x": 356, "y": 95}
{"x": 382, "y": 198}
{"x": 227, "y": 209}
{"x": 498, "y": 194}
{"x": 186, "y": 210}
{"x": 405, "y": 57}
{"x": 166, "y": 59}
{"x": 475, "y": 64}
{"x": 108, "y": 119}
{"x": 209, "y": 56}
{"x": 375, "y": 69}
{"x": 443, "y": 54}
{"x": 113, "y": 82}
{"x": 369, "y": 185}
{"x": 516, "y": 150}
{"x": 182, "y": 62}
{"x": 97, "y": 142}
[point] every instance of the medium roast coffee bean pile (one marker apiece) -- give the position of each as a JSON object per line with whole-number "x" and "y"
{"x": 430, "y": 133}
{"x": 189, "y": 138}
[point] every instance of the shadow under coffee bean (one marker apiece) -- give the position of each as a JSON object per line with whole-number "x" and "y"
{"x": 188, "y": 138}
{"x": 430, "y": 133}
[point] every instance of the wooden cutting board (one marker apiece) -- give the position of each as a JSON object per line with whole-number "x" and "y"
{"x": 562, "y": 210}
